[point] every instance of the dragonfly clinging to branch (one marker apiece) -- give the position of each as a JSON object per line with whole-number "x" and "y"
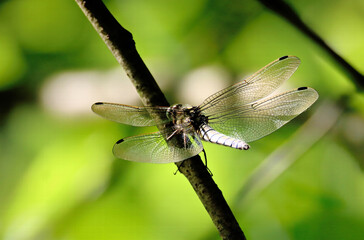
{"x": 232, "y": 117}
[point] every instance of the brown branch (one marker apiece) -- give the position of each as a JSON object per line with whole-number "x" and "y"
{"x": 121, "y": 44}
{"x": 287, "y": 12}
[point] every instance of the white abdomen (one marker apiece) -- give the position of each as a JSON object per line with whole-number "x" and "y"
{"x": 209, "y": 134}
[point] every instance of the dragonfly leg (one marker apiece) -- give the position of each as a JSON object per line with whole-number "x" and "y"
{"x": 185, "y": 140}
{"x": 205, "y": 156}
{"x": 172, "y": 134}
{"x": 208, "y": 169}
{"x": 178, "y": 168}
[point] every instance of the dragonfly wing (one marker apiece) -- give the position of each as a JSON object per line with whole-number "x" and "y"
{"x": 253, "y": 121}
{"x": 131, "y": 115}
{"x": 153, "y": 148}
{"x": 256, "y": 87}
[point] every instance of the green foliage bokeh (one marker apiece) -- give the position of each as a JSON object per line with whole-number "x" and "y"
{"x": 59, "y": 179}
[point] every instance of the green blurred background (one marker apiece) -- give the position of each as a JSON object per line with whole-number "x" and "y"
{"x": 59, "y": 179}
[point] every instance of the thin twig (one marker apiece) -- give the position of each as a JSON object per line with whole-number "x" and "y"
{"x": 286, "y": 11}
{"x": 121, "y": 44}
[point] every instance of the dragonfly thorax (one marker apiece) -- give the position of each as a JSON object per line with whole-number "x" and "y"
{"x": 185, "y": 115}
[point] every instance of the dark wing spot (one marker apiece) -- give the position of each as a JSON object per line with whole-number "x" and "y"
{"x": 284, "y": 57}
{"x": 301, "y": 88}
{"x": 98, "y": 103}
{"x": 120, "y": 141}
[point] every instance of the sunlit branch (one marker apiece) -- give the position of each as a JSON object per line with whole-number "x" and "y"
{"x": 121, "y": 44}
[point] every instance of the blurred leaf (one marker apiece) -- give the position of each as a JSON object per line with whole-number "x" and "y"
{"x": 58, "y": 178}
{"x": 12, "y": 64}
{"x": 67, "y": 168}
{"x": 45, "y": 26}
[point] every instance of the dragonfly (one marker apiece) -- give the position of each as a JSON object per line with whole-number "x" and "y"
{"x": 232, "y": 117}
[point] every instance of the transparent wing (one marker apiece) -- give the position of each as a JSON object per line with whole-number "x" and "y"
{"x": 153, "y": 148}
{"x": 135, "y": 116}
{"x": 256, "y": 87}
{"x": 253, "y": 121}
